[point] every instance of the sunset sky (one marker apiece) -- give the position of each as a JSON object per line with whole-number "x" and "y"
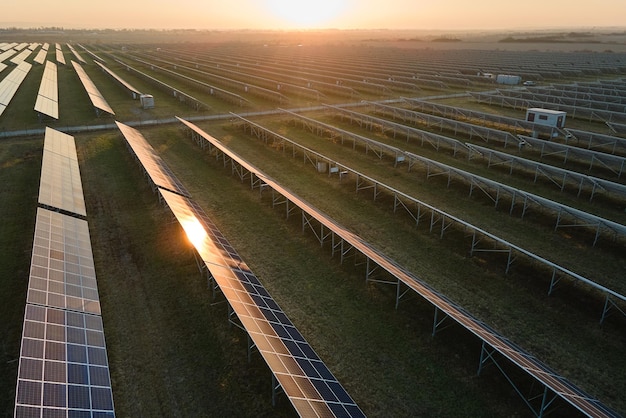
{"x": 303, "y": 14}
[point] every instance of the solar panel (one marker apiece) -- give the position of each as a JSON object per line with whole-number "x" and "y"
{"x": 60, "y": 185}
{"x": 305, "y": 379}
{"x": 48, "y": 96}
{"x": 10, "y": 84}
{"x": 123, "y": 82}
{"x": 19, "y": 58}
{"x": 159, "y": 172}
{"x": 59, "y": 55}
{"x": 40, "y": 58}
{"x": 62, "y": 271}
{"x": 63, "y": 368}
{"x": 94, "y": 94}
{"x": 6, "y": 54}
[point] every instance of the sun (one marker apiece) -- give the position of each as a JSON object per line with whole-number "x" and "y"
{"x": 306, "y": 13}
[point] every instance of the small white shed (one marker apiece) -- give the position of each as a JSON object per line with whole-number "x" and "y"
{"x": 546, "y": 117}
{"x": 147, "y": 101}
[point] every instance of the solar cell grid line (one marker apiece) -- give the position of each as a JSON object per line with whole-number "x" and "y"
{"x": 62, "y": 273}
{"x": 562, "y": 388}
{"x": 95, "y": 96}
{"x": 159, "y": 173}
{"x": 305, "y": 379}
{"x": 48, "y": 96}
{"x": 63, "y": 368}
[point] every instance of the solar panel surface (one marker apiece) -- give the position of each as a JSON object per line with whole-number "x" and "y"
{"x": 304, "y": 377}
{"x": 94, "y": 94}
{"x": 60, "y": 185}
{"x": 62, "y": 273}
{"x": 159, "y": 172}
{"x": 48, "y": 96}
{"x": 63, "y": 369}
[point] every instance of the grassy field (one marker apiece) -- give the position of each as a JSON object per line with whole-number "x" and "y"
{"x": 171, "y": 349}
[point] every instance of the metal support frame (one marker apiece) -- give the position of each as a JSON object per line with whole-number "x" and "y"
{"x": 546, "y": 396}
{"x": 277, "y": 389}
{"x": 609, "y": 305}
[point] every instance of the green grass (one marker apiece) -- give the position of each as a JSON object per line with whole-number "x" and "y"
{"x": 20, "y": 165}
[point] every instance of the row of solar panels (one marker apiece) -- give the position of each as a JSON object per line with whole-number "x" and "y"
{"x": 47, "y": 102}
{"x": 304, "y": 378}
{"x": 63, "y": 367}
{"x": 416, "y": 208}
{"x": 555, "y": 385}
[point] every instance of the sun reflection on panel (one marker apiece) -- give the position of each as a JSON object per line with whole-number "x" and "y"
{"x": 195, "y": 231}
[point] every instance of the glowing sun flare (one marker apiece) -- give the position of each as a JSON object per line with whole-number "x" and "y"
{"x": 195, "y": 232}
{"x": 303, "y": 13}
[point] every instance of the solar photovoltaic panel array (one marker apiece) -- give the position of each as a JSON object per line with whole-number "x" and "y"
{"x": 59, "y": 54}
{"x": 21, "y": 57}
{"x": 60, "y": 186}
{"x": 94, "y": 94}
{"x": 303, "y": 376}
{"x": 524, "y": 360}
{"x": 47, "y": 101}
{"x": 63, "y": 369}
{"x": 41, "y": 55}
{"x": 159, "y": 172}
{"x": 10, "y": 84}
{"x": 6, "y": 54}
{"x": 62, "y": 273}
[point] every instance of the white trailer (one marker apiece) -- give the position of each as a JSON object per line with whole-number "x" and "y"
{"x": 546, "y": 117}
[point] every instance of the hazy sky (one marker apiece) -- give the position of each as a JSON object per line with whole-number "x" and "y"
{"x": 291, "y": 14}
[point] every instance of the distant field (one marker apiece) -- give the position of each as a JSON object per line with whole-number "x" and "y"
{"x": 171, "y": 350}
